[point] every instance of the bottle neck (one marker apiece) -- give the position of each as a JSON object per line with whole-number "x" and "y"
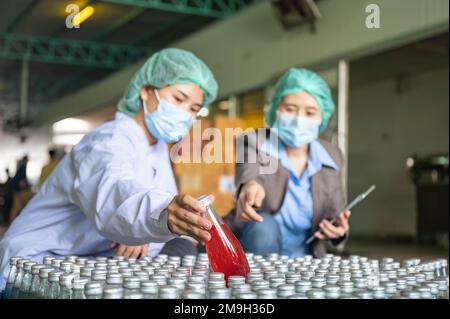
{"x": 213, "y": 217}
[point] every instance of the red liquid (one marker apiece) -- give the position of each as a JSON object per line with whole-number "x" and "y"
{"x": 226, "y": 256}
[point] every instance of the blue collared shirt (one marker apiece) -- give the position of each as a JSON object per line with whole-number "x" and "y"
{"x": 295, "y": 215}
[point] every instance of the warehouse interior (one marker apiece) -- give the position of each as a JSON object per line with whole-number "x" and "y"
{"x": 389, "y": 83}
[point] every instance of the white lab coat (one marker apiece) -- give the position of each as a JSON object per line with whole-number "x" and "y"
{"x": 112, "y": 186}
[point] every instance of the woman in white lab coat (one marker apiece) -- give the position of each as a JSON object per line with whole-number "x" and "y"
{"x": 117, "y": 185}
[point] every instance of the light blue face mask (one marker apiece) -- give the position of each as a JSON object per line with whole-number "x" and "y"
{"x": 168, "y": 122}
{"x": 296, "y": 131}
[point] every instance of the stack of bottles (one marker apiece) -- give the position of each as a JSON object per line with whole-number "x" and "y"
{"x": 190, "y": 277}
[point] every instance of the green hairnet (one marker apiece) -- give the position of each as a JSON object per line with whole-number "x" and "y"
{"x": 295, "y": 80}
{"x": 167, "y": 67}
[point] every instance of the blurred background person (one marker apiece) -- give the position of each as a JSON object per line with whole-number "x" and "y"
{"x": 21, "y": 189}
{"x": 6, "y": 194}
{"x": 48, "y": 168}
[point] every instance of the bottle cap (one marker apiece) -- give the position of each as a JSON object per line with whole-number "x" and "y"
{"x": 205, "y": 200}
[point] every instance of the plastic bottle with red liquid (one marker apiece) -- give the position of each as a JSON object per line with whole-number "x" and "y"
{"x": 224, "y": 251}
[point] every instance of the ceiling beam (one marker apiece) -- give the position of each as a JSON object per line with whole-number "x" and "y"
{"x": 65, "y": 51}
{"x": 208, "y": 8}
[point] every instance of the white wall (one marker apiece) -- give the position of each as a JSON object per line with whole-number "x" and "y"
{"x": 386, "y": 127}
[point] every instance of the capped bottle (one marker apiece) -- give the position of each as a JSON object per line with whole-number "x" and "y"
{"x": 224, "y": 251}
{"x": 11, "y": 275}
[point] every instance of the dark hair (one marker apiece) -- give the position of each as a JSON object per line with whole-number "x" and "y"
{"x": 52, "y": 153}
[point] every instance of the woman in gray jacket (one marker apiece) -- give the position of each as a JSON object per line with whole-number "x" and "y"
{"x": 277, "y": 211}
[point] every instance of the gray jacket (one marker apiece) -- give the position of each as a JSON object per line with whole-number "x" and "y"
{"x": 327, "y": 190}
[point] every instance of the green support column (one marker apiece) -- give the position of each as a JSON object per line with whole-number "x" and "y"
{"x": 24, "y": 81}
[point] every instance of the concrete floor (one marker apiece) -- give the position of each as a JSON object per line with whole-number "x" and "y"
{"x": 398, "y": 251}
{"x": 379, "y": 249}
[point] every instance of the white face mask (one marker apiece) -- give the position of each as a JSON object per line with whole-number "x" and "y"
{"x": 296, "y": 131}
{"x": 168, "y": 122}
